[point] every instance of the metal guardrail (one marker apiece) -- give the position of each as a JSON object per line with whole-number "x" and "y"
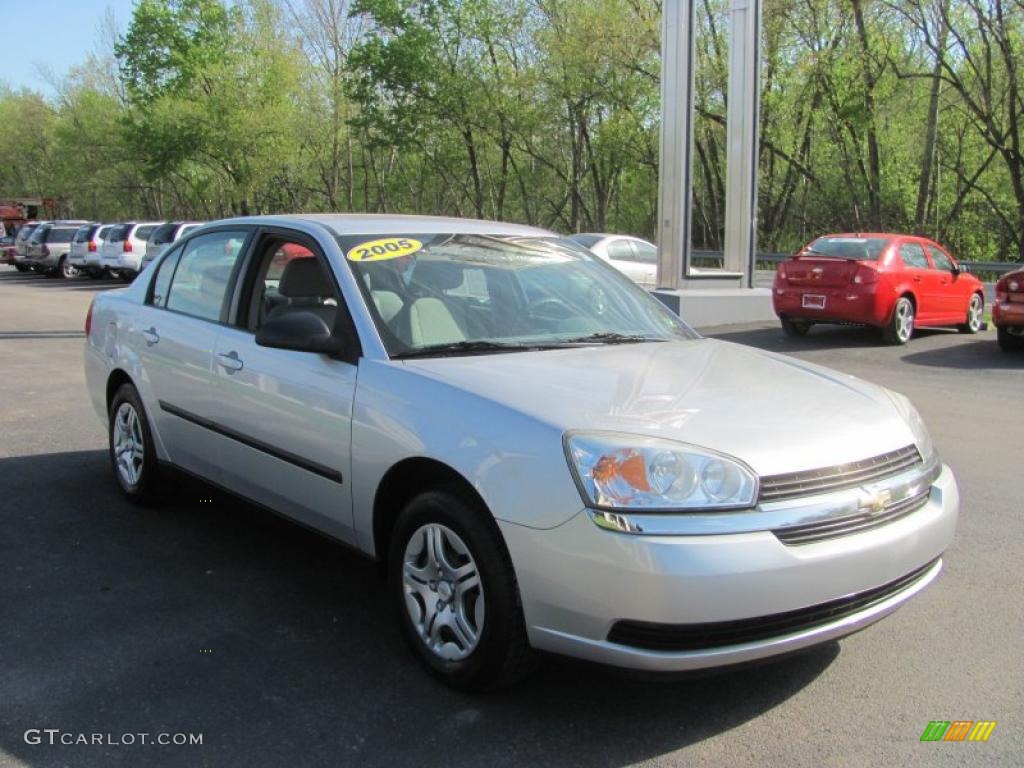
{"x": 714, "y": 259}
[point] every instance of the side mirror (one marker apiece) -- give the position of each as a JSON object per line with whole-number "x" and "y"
{"x": 960, "y": 269}
{"x": 299, "y": 331}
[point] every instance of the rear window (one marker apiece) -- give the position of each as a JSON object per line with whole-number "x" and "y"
{"x": 102, "y": 234}
{"x": 587, "y": 241}
{"x": 143, "y": 233}
{"x": 859, "y": 248}
{"x": 61, "y": 234}
{"x": 116, "y": 234}
{"x": 82, "y": 234}
{"x": 162, "y": 234}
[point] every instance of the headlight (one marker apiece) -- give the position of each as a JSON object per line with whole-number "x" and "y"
{"x": 616, "y": 471}
{"x": 909, "y": 414}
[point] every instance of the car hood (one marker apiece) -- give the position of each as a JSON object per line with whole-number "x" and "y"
{"x": 777, "y": 414}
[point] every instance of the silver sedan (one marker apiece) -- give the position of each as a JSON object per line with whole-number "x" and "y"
{"x": 539, "y": 454}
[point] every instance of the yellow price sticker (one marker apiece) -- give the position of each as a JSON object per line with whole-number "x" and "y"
{"x": 384, "y": 248}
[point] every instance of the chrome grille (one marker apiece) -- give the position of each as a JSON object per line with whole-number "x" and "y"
{"x": 843, "y": 526}
{"x": 808, "y": 482}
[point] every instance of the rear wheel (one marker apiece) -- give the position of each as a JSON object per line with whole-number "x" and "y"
{"x": 975, "y": 314}
{"x": 21, "y": 267}
{"x": 66, "y": 269}
{"x": 795, "y": 328}
{"x": 132, "y": 455}
{"x": 1009, "y": 341}
{"x": 455, "y": 591}
{"x": 901, "y": 325}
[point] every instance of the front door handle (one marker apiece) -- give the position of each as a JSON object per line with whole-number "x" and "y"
{"x": 917, "y": 279}
{"x": 151, "y": 336}
{"x": 230, "y": 362}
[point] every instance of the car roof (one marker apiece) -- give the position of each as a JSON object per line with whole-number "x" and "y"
{"x": 386, "y": 223}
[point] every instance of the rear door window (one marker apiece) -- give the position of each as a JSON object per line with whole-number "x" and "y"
{"x": 116, "y": 234}
{"x": 913, "y": 256}
{"x": 61, "y": 235}
{"x": 646, "y": 253}
{"x": 621, "y": 250}
{"x": 162, "y": 281}
{"x": 201, "y": 281}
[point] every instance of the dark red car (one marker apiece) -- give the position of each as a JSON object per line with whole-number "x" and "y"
{"x": 893, "y": 282}
{"x": 1008, "y": 311}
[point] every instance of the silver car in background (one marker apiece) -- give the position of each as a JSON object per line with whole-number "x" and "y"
{"x": 50, "y": 246}
{"x": 539, "y": 454}
{"x": 162, "y": 237}
{"x": 125, "y": 247}
{"x": 637, "y": 259}
{"x": 21, "y": 245}
{"x": 86, "y": 248}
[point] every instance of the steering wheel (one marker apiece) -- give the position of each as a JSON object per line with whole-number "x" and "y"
{"x": 562, "y": 311}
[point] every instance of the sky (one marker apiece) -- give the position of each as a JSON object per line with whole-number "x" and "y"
{"x": 60, "y": 33}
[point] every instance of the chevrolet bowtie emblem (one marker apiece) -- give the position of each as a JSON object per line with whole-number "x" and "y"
{"x": 877, "y": 503}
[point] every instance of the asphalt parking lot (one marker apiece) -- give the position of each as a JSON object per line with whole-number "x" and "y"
{"x": 209, "y": 616}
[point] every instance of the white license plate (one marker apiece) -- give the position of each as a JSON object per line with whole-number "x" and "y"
{"x": 813, "y": 301}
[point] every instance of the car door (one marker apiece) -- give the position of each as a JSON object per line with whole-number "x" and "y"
{"x": 176, "y": 333}
{"x": 287, "y": 413}
{"x": 924, "y": 280}
{"x": 954, "y": 293}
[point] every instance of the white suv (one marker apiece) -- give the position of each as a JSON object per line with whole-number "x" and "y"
{"x": 85, "y": 249}
{"x": 163, "y": 236}
{"x": 125, "y": 247}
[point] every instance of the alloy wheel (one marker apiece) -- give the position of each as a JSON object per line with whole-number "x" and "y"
{"x": 974, "y": 313}
{"x": 904, "y": 320}
{"x": 443, "y": 592}
{"x": 129, "y": 448}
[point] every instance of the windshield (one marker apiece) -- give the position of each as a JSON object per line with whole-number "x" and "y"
{"x": 475, "y": 293}
{"x": 848, "y": 247}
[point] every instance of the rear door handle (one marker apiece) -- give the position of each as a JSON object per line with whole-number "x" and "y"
{"x": 230, "y": 361}
{"x": 151, "y": 336}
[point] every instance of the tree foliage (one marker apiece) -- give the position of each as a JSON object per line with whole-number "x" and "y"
{"x": 876, "y": 114}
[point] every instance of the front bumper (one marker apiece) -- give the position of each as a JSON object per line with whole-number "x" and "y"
{"x": 577, "y": 581}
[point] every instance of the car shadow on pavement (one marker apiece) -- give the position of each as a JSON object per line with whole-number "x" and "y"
{"x": 978, "y": 354}
{"x": 208, "y": 615}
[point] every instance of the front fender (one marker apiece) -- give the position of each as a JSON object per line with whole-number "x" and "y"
{"x": 516, "y": 463}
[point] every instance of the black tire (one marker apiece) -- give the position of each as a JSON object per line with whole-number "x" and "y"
{"x": 97, "y": 274}
{"x": 1009, "y": 342}
{"x": 795, "y": 328}
{"x": 896, "y": 331}
{"x": 146, "y": 489}
{"x": 975, "y": 312}
{"x": 21, "y": 267}
{"x": 502, "y": 654}
{"x": 126, "y": 276}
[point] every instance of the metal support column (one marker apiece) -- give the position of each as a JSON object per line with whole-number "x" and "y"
{"x": 742, "y": 138}
{"x": 675, "y": 183}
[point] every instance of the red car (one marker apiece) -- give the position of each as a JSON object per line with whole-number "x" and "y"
{"x": 1008, "y": 311}
{"x": 893, "y": 282}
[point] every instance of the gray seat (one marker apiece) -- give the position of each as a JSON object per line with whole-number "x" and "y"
{"x": 306, "y": 287}
{"x": 430, "y": 318}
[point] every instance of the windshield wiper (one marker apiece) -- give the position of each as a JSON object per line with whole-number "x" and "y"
{"x": 466, "y": 348}
{"x": 610, "y": 337}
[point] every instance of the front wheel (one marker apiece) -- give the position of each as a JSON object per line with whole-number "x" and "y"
{"x": 455, "y": 591}
{"x": 795, "y": 328}
{"x": 901, "y": 325}
{"x": 132, "y": 455}
{"x": 975, "y": 313}
{"x": 1009, "y": 341}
